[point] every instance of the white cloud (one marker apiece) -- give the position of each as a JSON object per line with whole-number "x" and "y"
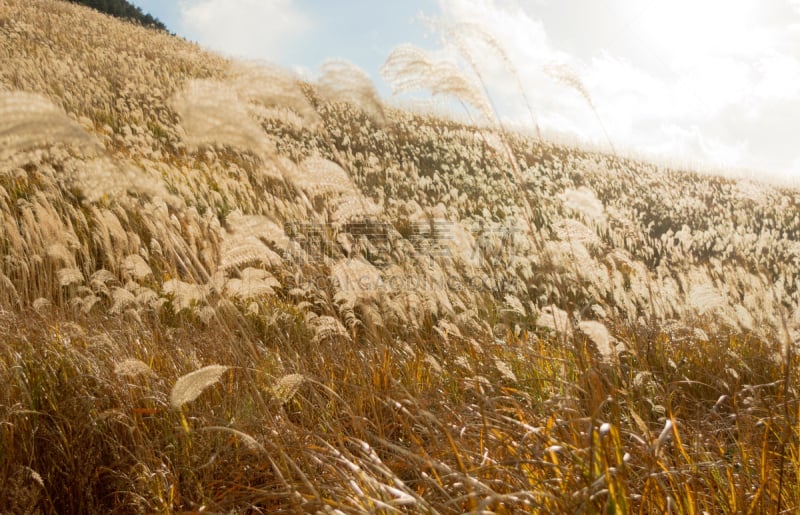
{"x": 780, "y": 77}
{"x": 794, "y": 168}
{"x": 683, "y": 145}
{"x": 684, "y": 33}
{"x": 255, "y": 29}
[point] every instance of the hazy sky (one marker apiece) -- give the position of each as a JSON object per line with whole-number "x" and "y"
{"x": 713, "y": 83}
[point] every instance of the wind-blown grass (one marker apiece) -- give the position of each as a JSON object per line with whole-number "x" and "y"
{"x": 409, "y": 313}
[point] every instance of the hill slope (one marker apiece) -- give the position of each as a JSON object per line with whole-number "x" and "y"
{"x": 412, "y": 312}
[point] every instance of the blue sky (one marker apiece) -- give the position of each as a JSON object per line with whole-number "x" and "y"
{"x": 305, "y": 32}
{"x": 709, "y": 83}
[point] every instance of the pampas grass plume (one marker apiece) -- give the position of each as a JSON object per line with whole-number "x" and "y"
{"x": 132, "y": 368}
{"x": 189, "y": 387}
{"x": 342, "y": 80}
{"x": 286, "y": 387}
{"x": 598, "y": 334}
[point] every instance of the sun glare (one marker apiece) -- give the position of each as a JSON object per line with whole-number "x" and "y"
{"x": 683, "y": 31}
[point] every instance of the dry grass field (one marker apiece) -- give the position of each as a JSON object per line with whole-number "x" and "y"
{"x": 225, "y": 290}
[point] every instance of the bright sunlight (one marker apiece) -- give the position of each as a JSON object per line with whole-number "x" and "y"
{"x": 685, "y": 31}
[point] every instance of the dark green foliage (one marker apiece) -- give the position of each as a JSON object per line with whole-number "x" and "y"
{"x": 123, "y": 9}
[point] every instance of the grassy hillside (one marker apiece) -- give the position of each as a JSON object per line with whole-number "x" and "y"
{"x": 227, "y": 290}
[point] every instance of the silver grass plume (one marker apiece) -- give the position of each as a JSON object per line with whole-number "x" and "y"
{"x": 246, "y": 240}
{"x": 513, "y": 305}
{"x": 323, "y": 179}
{"x": 410, "y": 68}
{"x": 286, "y": 387}
{"x": 28, "y": 120}
{"x": 356, "y": 277}
{"x": 598, "y": 334}
{"x": 327, "y": 328}
{"x": 555, "y": 319}
{"x": 704, "y": 298}
{"x": 583, "y": 200}
{"x": 123, "y": 300}
{"x": 342, "y": 80}
{"x": 573, "y": 231}
{"x": 137, "y": 267}
{"x": 504, "y": 370}
{"x": 261, "y": 227}
{"x": 565, "y": 74}
{"x": 240, "y": 251}
{"x": 252, "y": 284}
{"x": 319, "y": 176}
{"x": 466, "y": 31}
{"x": 189, "y": 387}
{"x": 184, "y": 295}
{"x": 268, "y": 89}
{"x": 69, "y": 277}
{"x": 213, "y": 113}
{"x": 132, "y": 368}
{"x": 103, "y": 177}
